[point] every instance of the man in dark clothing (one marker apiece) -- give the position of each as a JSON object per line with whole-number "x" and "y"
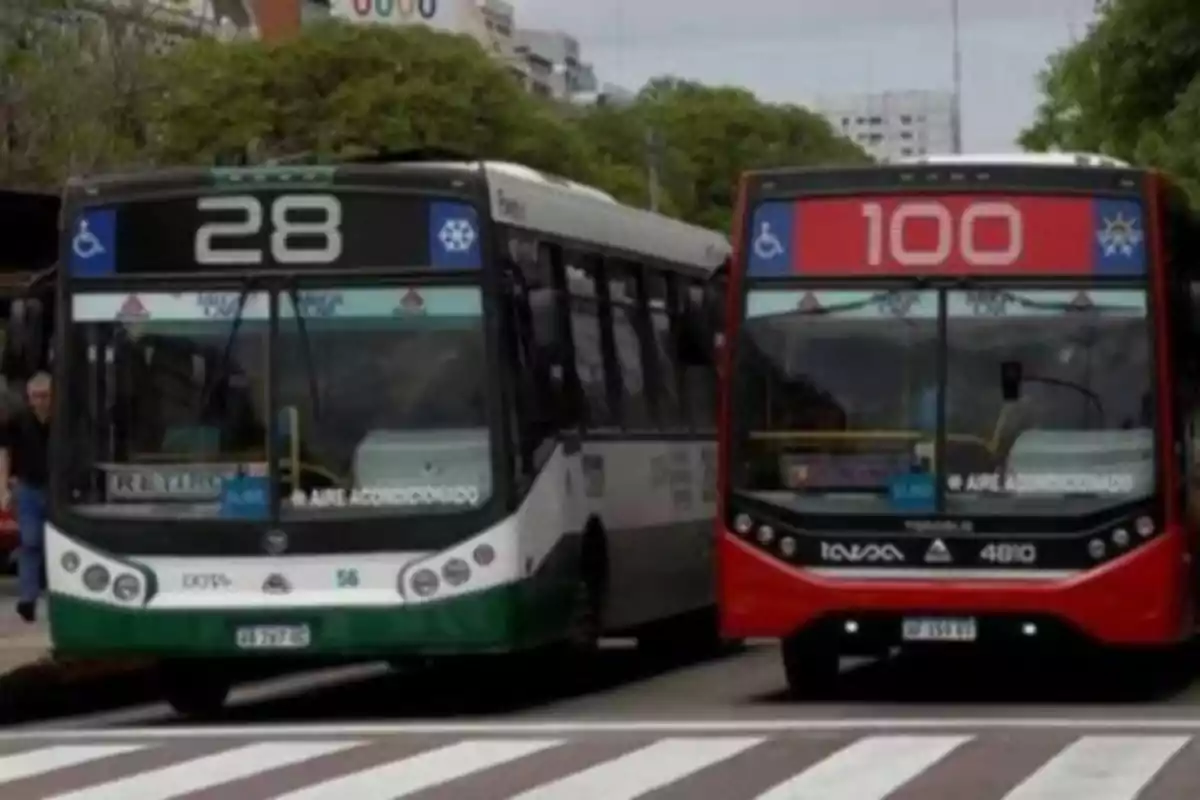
{"x": 24, "y": 440}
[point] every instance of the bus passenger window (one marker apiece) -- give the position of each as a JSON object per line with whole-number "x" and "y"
{"x": 635, "y": 409}
{"x": 589, "y": 362}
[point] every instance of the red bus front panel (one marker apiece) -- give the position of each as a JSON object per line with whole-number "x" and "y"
{"x": 947, "y": 398}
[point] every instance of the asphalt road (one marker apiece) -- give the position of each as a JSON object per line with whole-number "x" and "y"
{"x": 629, "y": 726}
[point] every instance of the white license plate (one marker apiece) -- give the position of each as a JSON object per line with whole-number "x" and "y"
{"x": 938, "y": 629}
{"x": 274, "y": 637}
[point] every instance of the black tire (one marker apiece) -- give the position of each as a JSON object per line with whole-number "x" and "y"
{"x": 584, "y": 627}
{"x": 195, "y": 691}
{"x": 810, "y": 667}
{"x": 586, "y": 623}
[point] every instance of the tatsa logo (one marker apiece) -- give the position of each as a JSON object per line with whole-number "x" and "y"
{"x": 403, "y": 10}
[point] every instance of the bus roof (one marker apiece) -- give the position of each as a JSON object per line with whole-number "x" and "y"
{"x": 1070, "y": 159}
{"x": 538, "y": 202}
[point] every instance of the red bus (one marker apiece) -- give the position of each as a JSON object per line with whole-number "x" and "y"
{"x": 958, "y": 408}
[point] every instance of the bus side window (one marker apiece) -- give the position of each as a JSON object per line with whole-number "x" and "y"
{"x": 663, "y": 359}
{"x": 631, "y": 367}
{"x": 587, "y": 334}
{"x": 699, "y": 375}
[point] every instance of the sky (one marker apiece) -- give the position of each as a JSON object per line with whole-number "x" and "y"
{"x": 794, "y": 50}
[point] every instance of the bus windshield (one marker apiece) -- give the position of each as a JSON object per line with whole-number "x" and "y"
{"x": 169, "y": 402}
{"x": 1047, "y": 400}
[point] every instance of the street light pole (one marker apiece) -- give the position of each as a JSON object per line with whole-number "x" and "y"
{"x": 956, "y": 70}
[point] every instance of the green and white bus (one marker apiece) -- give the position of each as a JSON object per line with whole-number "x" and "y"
{"x": 376, "y": 411}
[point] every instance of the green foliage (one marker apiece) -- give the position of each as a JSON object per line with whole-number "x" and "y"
{"x": 342, "y": 89}
{"x": 708, "y": 137}
{"x": 73, "y": 93}
{"x": 1128, "y": 89}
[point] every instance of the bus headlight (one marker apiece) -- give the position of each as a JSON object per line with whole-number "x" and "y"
{"x": 787, "y": 546}
{"x": 766, "y": 534}
{"x": 483, "y": 555}
{"x": 96, "y": 578}
{"x": 70, "y": 561}
{"x": 1096, "y": 549}
{"x": 126, "y": 587}
{"x": 425, "y": 582}
{"x": 742, "y": 524}
{"x": 1120, "y": 537}
{"x": 456, "y": 572}
{"x": 1144, "y": 526}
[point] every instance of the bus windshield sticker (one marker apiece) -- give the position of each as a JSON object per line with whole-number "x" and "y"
{"x": 913, "y": 492}
{"x": 315, "y": 304}
{"x": 1045, "y": 482}
{"x": 245, "y": 497}
{"x": 955, "y": 235}
{"x": 403, "y": 496}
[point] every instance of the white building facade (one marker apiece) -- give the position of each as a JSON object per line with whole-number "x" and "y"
{"x": 556, "y": 68}
{"x": 895, "y": 124}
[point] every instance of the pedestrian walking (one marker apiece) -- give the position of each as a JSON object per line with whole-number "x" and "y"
{"x": 24, "y": 440}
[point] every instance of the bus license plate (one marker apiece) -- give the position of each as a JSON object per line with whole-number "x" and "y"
{"x": 938, "y": 629}
{"x": 274, "y": 637}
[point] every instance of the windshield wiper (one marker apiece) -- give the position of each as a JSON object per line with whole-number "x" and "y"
{"x": 227, "y": 351}
{"x": 314, "y": 393}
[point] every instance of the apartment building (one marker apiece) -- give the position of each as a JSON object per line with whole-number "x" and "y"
{"x": 895, "y": 124}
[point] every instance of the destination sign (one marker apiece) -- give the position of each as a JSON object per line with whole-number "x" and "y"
{"x": 952, "y": 235}
{"x": 302, "y": 229}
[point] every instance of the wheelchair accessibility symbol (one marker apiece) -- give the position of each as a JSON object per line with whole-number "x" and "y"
{"x": 85, "y": 243}
{"x": 766, "y": 244}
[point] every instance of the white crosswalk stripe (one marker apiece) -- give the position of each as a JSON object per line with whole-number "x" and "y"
{"x": 617, "y": 766}
{"x": 49, "y": 759}
{"x": 633, "y": 775}
{"x": 181, "y": 779}
{"x": 419, "y": 772}
{"x": 869, "y": 769}
{"x": 1100, "y": 768}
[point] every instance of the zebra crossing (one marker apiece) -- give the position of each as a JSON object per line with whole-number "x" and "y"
{"x": 806, "y": 765}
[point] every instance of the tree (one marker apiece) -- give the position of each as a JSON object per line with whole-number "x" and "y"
{"x": 73, "y": 84}
{"x": 81, "y": 98}
{"x": 710, "y": 136}
{"x": 1117, "y": 90}
{"x": 344, "y": 88}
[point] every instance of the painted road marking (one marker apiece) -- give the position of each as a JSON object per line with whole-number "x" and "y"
{"x": 202, "y": 773}
{"x": 51, "y": 759}
{"x": 422, "y": 771}
{"x": 569, "y": 727}
{"x": 869, "y": 769}
{"x": 1100, "y": 768}
{"x": 641, "y": 771}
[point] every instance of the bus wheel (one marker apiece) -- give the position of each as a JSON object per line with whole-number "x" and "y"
{"x": 810, "y": 666}
{"x": 195, "y": 690}
{"x": 583, "y": 630}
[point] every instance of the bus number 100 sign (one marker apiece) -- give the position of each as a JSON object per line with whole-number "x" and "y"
{"x": 923, "y": 234}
